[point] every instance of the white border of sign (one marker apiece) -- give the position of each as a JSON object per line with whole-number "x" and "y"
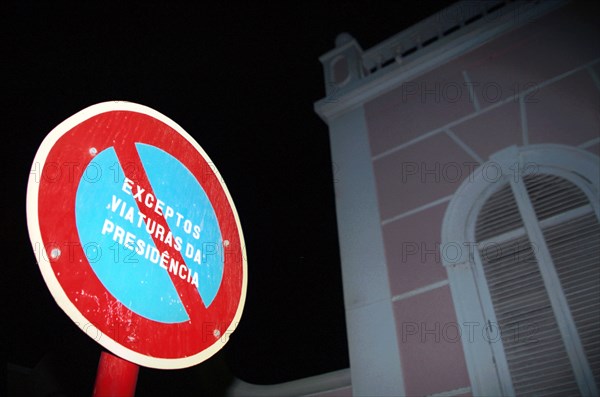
{"x": 54, "y": 286}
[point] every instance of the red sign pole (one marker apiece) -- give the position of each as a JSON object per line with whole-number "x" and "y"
{"x": 115, "y": 377}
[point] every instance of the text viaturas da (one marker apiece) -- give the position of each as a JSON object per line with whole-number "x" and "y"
{"x": 154, "y": 229}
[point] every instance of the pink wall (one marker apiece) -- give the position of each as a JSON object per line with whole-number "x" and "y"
{"x": 537, "y": 84}
{"x": 430, "y": 346}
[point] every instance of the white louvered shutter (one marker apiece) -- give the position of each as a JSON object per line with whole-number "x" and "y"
{"x": 539, "y": 247}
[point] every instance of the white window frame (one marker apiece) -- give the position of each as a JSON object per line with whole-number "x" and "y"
{"x": 486, "y": 362}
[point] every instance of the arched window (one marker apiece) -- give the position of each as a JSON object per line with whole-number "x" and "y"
{"x": 521, "y": 243}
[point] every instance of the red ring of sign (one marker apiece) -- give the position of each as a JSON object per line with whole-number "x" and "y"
{"x": 62, "y": 170}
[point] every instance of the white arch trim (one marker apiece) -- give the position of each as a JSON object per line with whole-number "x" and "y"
{"x": 578, "y": 166}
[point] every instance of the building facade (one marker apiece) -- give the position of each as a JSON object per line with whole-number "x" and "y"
{"x": 465, "y": 154}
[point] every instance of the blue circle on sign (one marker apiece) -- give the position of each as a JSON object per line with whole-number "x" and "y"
{"x": 118, "y": 240}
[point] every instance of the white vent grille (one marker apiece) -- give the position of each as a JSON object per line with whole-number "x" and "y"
{"x": 532, "y": 341}
{"x": 551, "y": 195}
{"x": 534, "y": 350}
{"x": 499, "y": 214}
{"x": 575, "y": 249}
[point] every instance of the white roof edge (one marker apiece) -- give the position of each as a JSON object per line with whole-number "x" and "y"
{"x": 311, "y": 385}
{"x": 464, "y": 40}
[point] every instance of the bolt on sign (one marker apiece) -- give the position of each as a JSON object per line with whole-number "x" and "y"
{"x": 136, "y": 235}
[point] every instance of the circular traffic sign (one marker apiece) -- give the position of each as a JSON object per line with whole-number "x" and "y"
{"x": 136, "y": 235}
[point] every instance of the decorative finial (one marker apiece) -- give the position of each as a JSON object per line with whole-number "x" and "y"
{"x": 343, "y": 38}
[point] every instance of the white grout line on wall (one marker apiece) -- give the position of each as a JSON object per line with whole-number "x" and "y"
{"x": 464, "y": 146}
{"x": 416, "y": 210}
{"x": 451, "y": 393}
{"x": 524, "y": 127}
{"x": 444, "y": 128}
{"x": 590, "y": 143}
{"x": 406, "y": 144}
{"x": 558, "y": 77}
{"x": 419, "y": 291}
{"x": 470, "y": 116}
{"x": 595, "y": 77}
{"x": 472, "y": 95}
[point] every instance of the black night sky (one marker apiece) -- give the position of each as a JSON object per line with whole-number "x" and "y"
{"x": 241, "y": 80}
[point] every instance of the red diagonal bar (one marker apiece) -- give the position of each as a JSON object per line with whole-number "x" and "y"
{"x": 131, "y": 164}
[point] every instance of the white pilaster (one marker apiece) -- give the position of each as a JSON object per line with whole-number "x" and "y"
{"x": 373, "y": 345}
